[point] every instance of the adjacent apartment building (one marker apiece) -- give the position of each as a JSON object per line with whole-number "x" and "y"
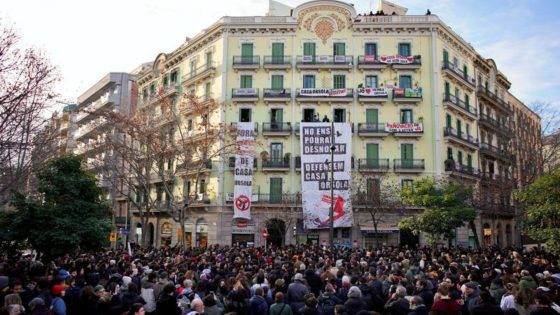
{"x": 451, "y": 106}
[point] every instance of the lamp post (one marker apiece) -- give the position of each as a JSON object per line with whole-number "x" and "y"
{"x": 331, "y": 210}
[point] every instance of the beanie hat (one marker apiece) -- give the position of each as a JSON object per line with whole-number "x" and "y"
{"x": 36, "y": 302}
{"x": 98, "y": 288}
{"x": 57, "y": 289}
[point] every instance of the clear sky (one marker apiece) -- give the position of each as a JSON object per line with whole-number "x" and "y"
{"x": 88, "y": 39}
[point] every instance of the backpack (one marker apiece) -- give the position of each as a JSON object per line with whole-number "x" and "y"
{"x": 328, "y": 305}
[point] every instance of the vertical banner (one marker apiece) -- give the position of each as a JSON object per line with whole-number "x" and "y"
{"x": 243, "y": 186}
{"x": 316, "y": 142}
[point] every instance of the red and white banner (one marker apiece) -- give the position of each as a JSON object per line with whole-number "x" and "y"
{"x": 396, "y": 59}
{"x": 370, "y": 59}
{"x": 246, "y": 91}
{"x": 316, "y": 164}
{"x": 404, "y": 127}
{"x": 323, "y": 92}
{"x": 243, "y": 176}
{"x": 372, "y": 92}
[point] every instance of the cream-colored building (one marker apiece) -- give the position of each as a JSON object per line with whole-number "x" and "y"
{"x": 379, "y": 70}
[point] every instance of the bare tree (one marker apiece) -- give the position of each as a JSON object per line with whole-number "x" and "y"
{"x": 378, "y": 196}
{"x": 26, "y": 83}
{"x": 158, "y": 145}
{"x": 550, "y": 136}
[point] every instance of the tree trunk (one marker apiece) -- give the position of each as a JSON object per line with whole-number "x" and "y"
{"x": 472, "y": 226}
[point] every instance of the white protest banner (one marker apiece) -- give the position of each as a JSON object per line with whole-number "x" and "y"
{"x": 323, "y": 92}
{"x": 398, "y": 59}
{"x": 372, "y": 92}
{"x": 243, "y": 186}
{"x": 246, "y": 92}
{"x": 404, "y": 127}
{"x": 316, "y": 171}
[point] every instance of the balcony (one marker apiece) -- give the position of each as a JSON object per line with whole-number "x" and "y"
{"x": 277, "y": 62}
{"x": 502, "y": 181}
{"x": 402, "y": 62}
{"x": 493, "y": 99}
{"x": 408, "y": 166}
{"x": 454, "y": 104}
{"x": 277, "y": 129}
{"x": 200, "y": 199}
{"x": 325, "y": 95}
{"x": 231, "y": 163}
{"x": 194, "y": 167}
{"x": 460, "y": 138}
{"x": 373, "y": 95}
{"x": 460, "y": 170}
{"x": 246, "y": 63}
{"x": 407, "y": 95}
{"x": 373, "y": 165}
{"x": 495, "y": 152}
{"x": 405, "y": 129}
{"x": 375, "y": 130}
{"x": 370, "y": 63}
{"x": 324, "y": 62}
{"x": 493, "y": 124}
{"x": 273, "y": 199}
{"x": 457, "y": 75}
{"x": 245, "y": 95}
{"x": 200, "y": 74}
{"x": 276, "y": 165}
{"x": 277, "y": 95}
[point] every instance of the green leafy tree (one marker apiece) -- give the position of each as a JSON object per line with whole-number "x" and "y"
{"x": 445, "y": 208}
{"x": 541, "y": 200}
{"x": 69, "y": 214}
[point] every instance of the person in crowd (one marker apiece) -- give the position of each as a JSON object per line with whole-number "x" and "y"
{"x": 279, "y": 307}
{"x": 137, "y": 309}
{"x": 296, "y": 294}
{"x": 58, "y": 304}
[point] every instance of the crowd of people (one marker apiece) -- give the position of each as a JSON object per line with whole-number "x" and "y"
{"x": 292, "y": 280}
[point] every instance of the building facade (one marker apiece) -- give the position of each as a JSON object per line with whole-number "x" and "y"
{"x": 323, "y": 60}
{"x": 91, "y": 134}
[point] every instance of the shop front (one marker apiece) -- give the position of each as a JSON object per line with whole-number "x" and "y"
{"x": 382, "y": 236}
{"x": 243, "y": 232}
{"x": 201, "y": 233}
{"x": 166, "y": 231}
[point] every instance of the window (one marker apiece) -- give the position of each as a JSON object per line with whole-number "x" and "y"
{"x": 459, "y": 127}
{"x": 339, "y": 49}
{"x": 467, "y": 101}
{"x": 468, "y": 129}
{"x": 371, "y": 81}
{"x": 208, "y": 60}
{"x": 447, "y": 89}
{"x": 145, "y": 94}
{"x": 165, "y": 81}
{"x": 202, "y": 188}
{"x": 406, "y": 116}
{"x": 449, "y": 153}
{"x": 308, "y": 114}
{"x": 407, "y": 155}
{"x": 170, "y": 163}
{"x": 277, "y": 53}
{"x": 371, "y": 49}
{"x": 275, "y": 189}
{"x": 339, "y": 115}
{"x": 372, "y": 116}
{"x": 277, "y": 82}
{"x": 469, "y": 162}
{"x": 152, "y": 89}
{"x": 276, "y": 117}
{"x": 345, "y": 232}
{"x": 308, "y": 81}
{"x": 193, "y": 68}
{"x": 174, "y": 76}
{"x": 159, "y": 193}
{"x": 404, "y": 49}
{"x": 276, "y": 152}
{"x": 405, "y": 81}
{"x": 189, "y": 125}
{"x": 465, "y": 71}
{"x": 186, "y": 188}
{"x": 460, "y": 157}
{"x": 447, "y": 121}
{"x": 339, "y": 81}
{"x": 309, "y": 50}
{"x": 207, "y": 91}
{"x": 406, "y": 183}
{"x": 372, "y": 154}
{"x": 246, "y": 81}
{"x": 245, "y": 115}
{"x": 247, "y": 53}
{"x": 445, "y": 58}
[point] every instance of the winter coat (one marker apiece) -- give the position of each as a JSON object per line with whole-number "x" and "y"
{"x": 354, "y": 304}
{"x": 58, "y": 306}
{"x": 295, "y": 296}
{"x": 280, "y": 309}
{"x": 446, "y": 306}
{"x": 471, "y": 301}
{"x": 258, "y": 306}
{"x": 427, "y": 296}
{"x": 327, "y": 302}
{"x": 397, "y": 307}
{"x": 147, "y": 293}
{"x": 419, "y": 310}
{"x": 527, "y": 282}
{"x": 167, "y": 305}
{"x": 544, "y": 311}
{"x": 371, "y": 297}
{"x": 497, "y": 291}
{"x": 487, "y": 309}
{"x": 213, "y": 310}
